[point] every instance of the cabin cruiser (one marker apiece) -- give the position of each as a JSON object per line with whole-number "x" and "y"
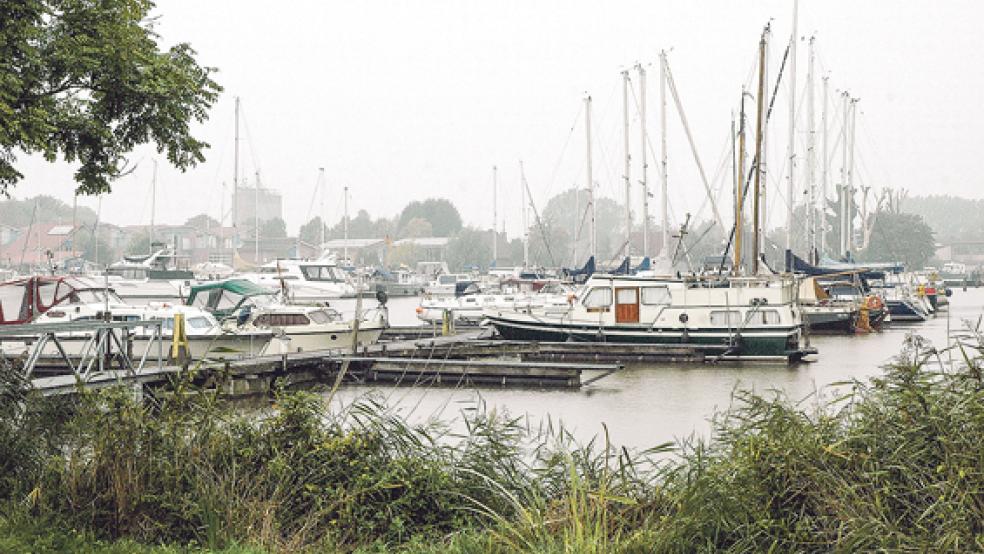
{"x": 955, "y": 274}
{"x": 448, "y": 284}
{"x": 245, "y": 306}
{"x": 903, "y": 301}
{"x": 398, "y": 282}
{"x": 822, "y": 313}
{"x": 305, "y": 281}
{"x": 736, "y": 318}
{"x": 155, "y": 277}
{"x": 48, "y": 300}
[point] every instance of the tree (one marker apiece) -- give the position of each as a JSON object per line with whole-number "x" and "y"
{"x": 442, "y": 215}
{"x": 900, "y": 237}
{"x": 418, "y": 227}
{"x": 19, "y": 213}
{"x": 273, "y": 229}
{"x": 139, "y": 243}
{"x": 470, "y": 247}
{"x": 310, "y": 232}
{"x": 87, "y": 80}
{"x": 203, "y": 222}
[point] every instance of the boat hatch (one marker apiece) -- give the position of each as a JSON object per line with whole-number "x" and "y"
{"x": 626, "y": 305}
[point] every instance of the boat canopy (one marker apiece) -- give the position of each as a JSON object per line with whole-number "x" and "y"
{"x": 22, "y": 300}
{"x": 222, "y": 298}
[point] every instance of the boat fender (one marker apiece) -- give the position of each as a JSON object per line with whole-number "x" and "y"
{"x": 684, "y": 318}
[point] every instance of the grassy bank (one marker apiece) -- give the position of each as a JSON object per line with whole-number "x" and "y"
{"x": 895, "y": 464}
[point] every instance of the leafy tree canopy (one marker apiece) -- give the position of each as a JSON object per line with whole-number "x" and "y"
{"x": 900, "y": 237}
{"x": 87, "y": 80}
{"x": 470, "y": 247}
{"x": 273, "y": 229}
{"x": 19, "y": 213}
{"x": 440, "y": 213}
{"x": 203, "y": 222}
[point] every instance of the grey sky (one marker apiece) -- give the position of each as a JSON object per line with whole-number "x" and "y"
{"x": 407, "y": 100}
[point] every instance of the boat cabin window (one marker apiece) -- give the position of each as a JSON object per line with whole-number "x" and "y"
{"x": 447, "y": 279}
{"x": 627, "y": 296}
{"x": 322, "y": 273}
{"x": 598, "y": 298}
{"x": 281, "y": 320}
{"x": 726, "y": 318}
{"x": 655, "y": 295}
{"x": 767, "y": 317}
{"x": 322, "y": 316}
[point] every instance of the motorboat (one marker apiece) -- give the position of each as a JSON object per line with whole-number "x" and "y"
{"x": 732, "y": 318}
{"x": 449, "y": 284}
{"x": 243, "y": 306}
{"x": 305, "y": 281}
{"x": 156, "y": 277}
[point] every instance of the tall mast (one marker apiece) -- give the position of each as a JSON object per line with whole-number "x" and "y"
{"x": 153, "y": 206}
{"x": 759, "y": 124}
{"x": 791, "y": 146}
{"x": 811, "y": 159}
{"x": 256, "y": 220}
{"x": 321, "y": 208}
{"x": 740, "y": 186}
{"x": 824, "y": 170}
{"x": 591, "y": 195}
{"x": 762, "y": 221}
{"x": 495, "y": 214}
{"x": 663, "y": 202}
{"x": 235, "y": 173}
{"x": 844, "y": 209}
{"x": 526, "y": 226}
{"x": 345, "y": 223}
{"x": 75, "y": 213}
{"x": 628, "y": 162}
{"x": 645, "y": 159}
{"x": 850, "y": 177}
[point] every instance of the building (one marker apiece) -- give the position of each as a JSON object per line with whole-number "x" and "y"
{"x": 7, "y": 234}
{"x": 362, "y": 252}
{"x": 256, "y": 202}
{"x": 425, "y": 249}
{"x": 38, "y": 247}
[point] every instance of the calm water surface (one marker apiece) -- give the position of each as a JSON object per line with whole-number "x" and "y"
{"x": 650, "y": 404}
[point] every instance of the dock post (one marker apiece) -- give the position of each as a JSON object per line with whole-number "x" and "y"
{"x": 180, "y": 353}
{"x": 447, "y": 323}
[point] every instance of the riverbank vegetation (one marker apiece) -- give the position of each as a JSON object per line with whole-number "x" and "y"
{"x": 893, "y": 464}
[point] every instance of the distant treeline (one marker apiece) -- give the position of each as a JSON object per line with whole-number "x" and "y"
{"x": 952, "y": 218}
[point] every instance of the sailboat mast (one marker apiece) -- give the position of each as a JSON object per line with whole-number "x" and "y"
{"x": 345, "y": 223}
{"x": 850, "y": 177}
{"x": 591, "y": 192}
{"x": 645, "y": 159}
{"x": 235, "y": 172}
{"x": 153, "y": 207}
{"x": 761, "y": 160}
{"x": 495, "y": 214}
{"x": 256, "y": 220}
{"x": 628, "y": 162}
{"x": 824, "y": 171}
{"x": 663, "y": 201}
{"x": 740, "y": 186}
{"x": 811, "y": 158}
{"x": 759, "y": 124}
{"x": 844, "y": 209}
{"x": 526, "y": 225}
{"x": 791, "y": 146}
{"x": 321, "y": 207}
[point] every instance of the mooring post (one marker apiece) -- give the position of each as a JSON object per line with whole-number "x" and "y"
{"x": 180, "y": 353}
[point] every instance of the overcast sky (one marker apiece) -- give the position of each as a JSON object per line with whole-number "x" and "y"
{"x": 403, "y": 101}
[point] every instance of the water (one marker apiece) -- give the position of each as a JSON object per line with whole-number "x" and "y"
{"x": 650, "y": 404}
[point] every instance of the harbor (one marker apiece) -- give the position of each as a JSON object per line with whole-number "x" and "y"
{"x": 504, "y": 278}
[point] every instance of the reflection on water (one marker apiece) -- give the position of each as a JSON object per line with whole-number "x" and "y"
{"x": 647, "y": 405}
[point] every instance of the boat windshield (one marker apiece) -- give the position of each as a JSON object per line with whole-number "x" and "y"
{"x": 323, "y": 273}
{"x": 92, "y": 296}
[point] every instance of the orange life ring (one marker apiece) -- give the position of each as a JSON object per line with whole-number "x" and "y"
{"x": 873, "y": 302}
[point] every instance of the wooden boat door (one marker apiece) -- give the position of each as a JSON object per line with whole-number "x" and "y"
{"x": 626, "y": 304}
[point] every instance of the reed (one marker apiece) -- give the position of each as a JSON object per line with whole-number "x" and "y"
{"x": 893, "y": 464}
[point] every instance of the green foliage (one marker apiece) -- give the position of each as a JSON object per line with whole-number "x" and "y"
{"x": 416, "y": 228}
{"x": 310, "y": 232}
{"x": 139, "y": 243}
{"x": 203, "y": 222}
{"x": 894, "y": 465}
{"x": 470, "y": 247}
{"x": 567, "y": 215}
{"x": 273, "y": 229}
{"x": 900, "y": 237}
{"x": 952, "y": 218}
{"x": 19, "y": 213}
{"x": 87, "y": 81}
{"x": 440, "y": 213}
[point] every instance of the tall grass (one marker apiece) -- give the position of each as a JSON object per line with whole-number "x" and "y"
{"x": 894, "y": 464}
